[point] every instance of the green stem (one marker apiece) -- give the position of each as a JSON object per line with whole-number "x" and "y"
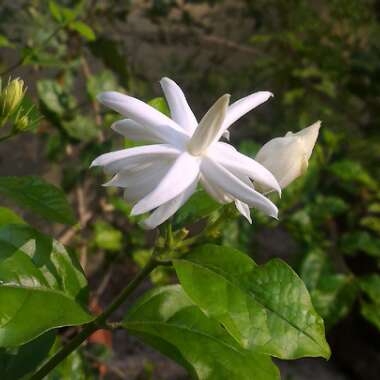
{"x": 96, "y": 324}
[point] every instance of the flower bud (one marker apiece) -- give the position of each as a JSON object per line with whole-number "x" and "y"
{"x": 11, "y": 96}
{"x": 22, "y": 123}
{"x": 288, "y": 157}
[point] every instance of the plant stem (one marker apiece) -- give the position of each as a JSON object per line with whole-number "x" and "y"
{"x": 6, "y": 137}
{"x": 96, "y": 324}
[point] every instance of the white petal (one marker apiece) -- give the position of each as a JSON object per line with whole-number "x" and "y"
{"x": 238, "y": 189}
{"x": 136, "y": 110}
{"x": 180, "y": 111}
{"x": 138, "y": 177}
{"x": 232, "y": 160}
{"x": 209, "y": 127}
{"x": 287, "y": 157}
{"x": 166, "y": 210}
{"x": 183, "y": 172}
{"x": 127, "y": 158}
{"x": 217, "y": 193}
{"x": 309, "y": 137}
{"x": 241, "y": 107}
{"x": 160, "y": 133}
{"x": 244, "y": 210}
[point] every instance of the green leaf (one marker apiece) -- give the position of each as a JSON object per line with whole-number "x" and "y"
{"x": 332, "y": 294}
{"x": 81, "y": 128}
{"x": 266, "y": 308}
{"x": 39, "y": 196}
{"x": 166, "y": 319}
{"x": 83, "y": 29}
{"x": 160, "y": 105}
{"x": 7, "y": 216}
{"x": 370, "y": 309}
{"x": 197, "y": 207}
{"x": 72, "y": 368}
{"x": 41, "y": 286}
{"x": 107, "y": 237}
{"x": 55, "y": 11}
{"x": 360, "y": 241}
{"x": 4, "y": 42}
{"x": 54, "y": 97}
{"x": 103, "y": 81}
{"x": 15, "y": 363}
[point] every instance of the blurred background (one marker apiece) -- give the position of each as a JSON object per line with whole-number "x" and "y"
{"x": 320, "y": 58}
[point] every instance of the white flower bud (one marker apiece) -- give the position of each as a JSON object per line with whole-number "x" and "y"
{"x": 287, "y": 157}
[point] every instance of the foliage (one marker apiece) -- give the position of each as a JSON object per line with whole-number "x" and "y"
{"x": 228, "y": 315}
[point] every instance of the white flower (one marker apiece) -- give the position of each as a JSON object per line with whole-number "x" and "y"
{"x": 162, "y": 176}
{"x": 288, "y": 157}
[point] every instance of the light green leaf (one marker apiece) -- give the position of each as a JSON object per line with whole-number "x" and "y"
{"x": 107, "y": 237}
{"x": 54, "y": 98}
{"x": 103, "y": 81}
{"x": 41, "y": 286}
{"x": 83, "y": 29}
{"x": 370, "y": 309}
{"x": 7, "y": 216}
{"x": 166, "y": 319}
{"x": 160, "y": 105}
{"x": 4, "y": 42}
{"x": 39, "y": 196}
{"x": 15, "y": 363}
{"x": 55, "y": 11}
{"x": 266, "y": 308}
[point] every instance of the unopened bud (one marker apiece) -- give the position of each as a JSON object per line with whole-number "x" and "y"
{"x": 22, "y": 123}
{"x": 11, "y": 96}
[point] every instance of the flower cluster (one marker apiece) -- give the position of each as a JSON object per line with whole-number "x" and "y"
{"x": 161, "y": 177}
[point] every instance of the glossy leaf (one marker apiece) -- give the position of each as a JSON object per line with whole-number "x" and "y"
{"x": 16, "y": 363}
{"x": 39, "y": 196}
{"x": 166, "y": 319}
{"x": 41, "y": 286}
{"x": 266, "y": 308}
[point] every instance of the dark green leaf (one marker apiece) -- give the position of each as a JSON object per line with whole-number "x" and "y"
{"x": 81, "y": 128}
{"x": 41, "y": 286}
{"x": 333, "y": 294}
{"x": 197, "y": 207}
{"x": 166, "y": 319}
{"x": 39, "y": 196}
{"x": 360, "y": 241}
{"x": 15, "y": 363}
{"x": 266, "y": 308}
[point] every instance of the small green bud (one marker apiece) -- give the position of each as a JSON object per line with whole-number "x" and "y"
{"x": 11, "y": 96}
{"x": 22, "y": 123}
